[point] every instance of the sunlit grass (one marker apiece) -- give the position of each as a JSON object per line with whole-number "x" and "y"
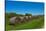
{"x": 34, "y": 24}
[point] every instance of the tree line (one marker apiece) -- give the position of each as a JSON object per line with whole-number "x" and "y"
{"x": 15, "y": 14}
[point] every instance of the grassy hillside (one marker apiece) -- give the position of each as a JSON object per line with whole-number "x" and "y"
{"x": 32, "y": 24}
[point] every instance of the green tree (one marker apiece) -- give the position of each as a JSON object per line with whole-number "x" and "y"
{"x": 27, "y": 14}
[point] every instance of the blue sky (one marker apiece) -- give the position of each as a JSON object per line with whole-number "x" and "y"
{"x": 20, "y": 7}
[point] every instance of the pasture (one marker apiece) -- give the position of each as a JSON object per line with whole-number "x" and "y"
{"x": 35, "y": 23}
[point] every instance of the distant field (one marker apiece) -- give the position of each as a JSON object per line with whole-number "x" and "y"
{"x": 32, "y": 24}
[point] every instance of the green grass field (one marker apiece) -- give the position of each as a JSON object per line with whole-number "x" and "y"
{"x": 32, "y": 24}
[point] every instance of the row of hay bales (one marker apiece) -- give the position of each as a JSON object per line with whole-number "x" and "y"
{"x": 20, "y": 19}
